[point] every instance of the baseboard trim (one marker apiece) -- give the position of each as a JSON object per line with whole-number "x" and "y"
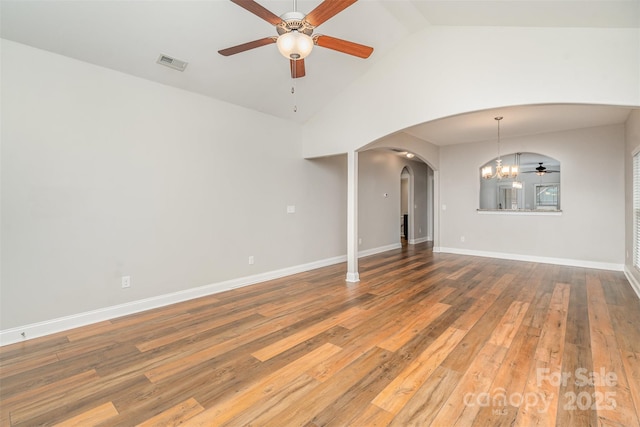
{"x": 61, "y": 324}
{"x": 419, "y": 240}
{"x": 374, "y": 251}
{"x": 40, "y": 329}
{"x": 539, "y": 259}
{"x": 635, "y": 285}
{"x": 352, "y": 277}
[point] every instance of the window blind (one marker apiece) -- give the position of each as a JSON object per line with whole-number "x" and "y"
{"x": 636, "y": 210}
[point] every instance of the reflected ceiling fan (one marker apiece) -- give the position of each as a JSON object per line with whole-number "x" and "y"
{"x": 541, "y": 170}
{"x": 295, "y": 37}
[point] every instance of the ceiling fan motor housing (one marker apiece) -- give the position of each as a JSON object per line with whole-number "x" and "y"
{"x": 294, "y": 21}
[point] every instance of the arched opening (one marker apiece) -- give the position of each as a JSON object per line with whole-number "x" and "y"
{"x": 520, "y": 181}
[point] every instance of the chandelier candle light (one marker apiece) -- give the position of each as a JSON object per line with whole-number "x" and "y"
{"x": 502, "y": 171}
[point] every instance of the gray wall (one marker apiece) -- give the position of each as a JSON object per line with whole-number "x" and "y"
{"x": 379, "y": 216}
{"x": 591, "y": 227}
{"x": 423, "y": 196}
{"x": 105, "y": 174}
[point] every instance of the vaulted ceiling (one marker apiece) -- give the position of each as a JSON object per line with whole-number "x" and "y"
{"x": 129, "y": 36}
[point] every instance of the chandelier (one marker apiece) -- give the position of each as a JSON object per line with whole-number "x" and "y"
{"x": 502, "y": 171}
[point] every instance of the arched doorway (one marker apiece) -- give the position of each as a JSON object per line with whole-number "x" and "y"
{"x": 405, "y": 191}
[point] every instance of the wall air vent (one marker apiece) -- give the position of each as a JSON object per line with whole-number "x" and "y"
{"x": 170, "y": 62}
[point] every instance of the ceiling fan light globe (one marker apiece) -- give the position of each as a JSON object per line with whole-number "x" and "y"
{"x": 294, "y": 45}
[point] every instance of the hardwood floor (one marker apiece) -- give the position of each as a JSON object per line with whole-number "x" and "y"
{"x": 424, "y": 339}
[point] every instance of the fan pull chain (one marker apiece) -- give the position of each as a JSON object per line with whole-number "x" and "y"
{"x": 293, "y": 88}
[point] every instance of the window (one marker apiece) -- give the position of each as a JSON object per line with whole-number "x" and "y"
{"x": 547, "y": 196}
{"x": 636, "y": 210}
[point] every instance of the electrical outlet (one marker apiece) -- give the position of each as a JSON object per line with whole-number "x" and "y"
{"x": 251, "y": 260}
{"x": 126, "y": 281}
{"x": 462, "y": 239}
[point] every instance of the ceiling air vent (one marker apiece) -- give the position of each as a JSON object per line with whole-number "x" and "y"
{"x": 170, "y": 62}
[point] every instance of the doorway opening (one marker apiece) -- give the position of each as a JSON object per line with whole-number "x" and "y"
{"x": 405, "y": 176}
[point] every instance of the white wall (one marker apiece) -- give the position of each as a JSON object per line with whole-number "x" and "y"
{"x": 104, "y": 175}
{"x": 591, "y": 227}
{"x": 443, "y": 71}
{"x": 632, "y": 145}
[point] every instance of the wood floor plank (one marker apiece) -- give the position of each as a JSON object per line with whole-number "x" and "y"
{"x": 335, "y": 363}
{"x": 373, "y": 416}
{"x": 404, "y": 386}
{"x": 506, "y": 330}
{"x": 404, "y": 347}
{"x": 318, "y": 402}
{"x": 28, "y": 397}
{"x": 471, "y": 316}
{"x": 541, "y": 395}
{"x": 617, "y": 405}
{"x": 553, "y": 333}
{"x": 511, "y": 380}
{"x": 427, "y": 401}
{"x": 570, "y": 410}
{"x": 193, "y": 330}
{"x": 25, "y": 364}
{"x": 49, "y": 410}
{"x": 286, "y": 343}
{"x": 241, "y": 400}
{"x": 577, "y": 358}
{"x": 631, "y": 363}
{"x": 464, "y": 402}
{"x": 175, "y": 415}
{"x": 413, "y": 327}
{"x": 182, "y": 362}
{"x": 95, "y": 416}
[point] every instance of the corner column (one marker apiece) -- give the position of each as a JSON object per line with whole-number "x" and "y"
{"x": 352, "y": 217}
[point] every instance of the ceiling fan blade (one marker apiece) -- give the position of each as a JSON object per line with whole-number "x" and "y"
{"x": 327, "y": 10}
{"x": 247, "y": 46}
{"x": 343, "y": 46}
{"x": 259, "y": 11}
{"x": 297, "y": 68}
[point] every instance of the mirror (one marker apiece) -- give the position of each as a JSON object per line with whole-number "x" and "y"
{"x": 536, "y": 187}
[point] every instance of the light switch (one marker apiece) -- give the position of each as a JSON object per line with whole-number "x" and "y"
{"x": 291, "y": 209}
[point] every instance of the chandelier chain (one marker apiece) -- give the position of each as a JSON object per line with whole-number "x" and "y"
{"x": 499, "y": 118}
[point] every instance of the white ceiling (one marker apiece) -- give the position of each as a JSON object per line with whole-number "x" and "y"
{"x": 128, "y": 36}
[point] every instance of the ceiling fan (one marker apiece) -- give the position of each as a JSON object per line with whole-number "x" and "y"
{"x": 295, "y": 29}
{"x": 540, "y": 170}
